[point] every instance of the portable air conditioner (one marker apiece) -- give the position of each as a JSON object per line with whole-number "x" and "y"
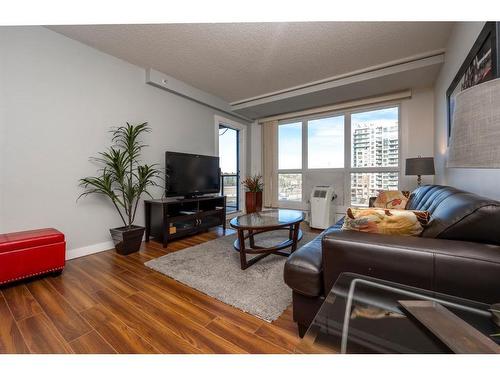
{"x": 322, "y": 211}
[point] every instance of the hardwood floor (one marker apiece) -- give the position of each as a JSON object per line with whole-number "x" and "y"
{"x": 107, "y": 303}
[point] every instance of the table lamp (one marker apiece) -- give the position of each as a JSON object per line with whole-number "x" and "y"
{"x": 420, "y": 167}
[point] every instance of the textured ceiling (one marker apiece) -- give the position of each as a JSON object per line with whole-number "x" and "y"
{"x": 238, "y": 61}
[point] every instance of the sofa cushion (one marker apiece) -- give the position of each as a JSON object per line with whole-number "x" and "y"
{"x": 466, "y": 218}
{"x": 384, "y": 221}
{"x": 392, "y": 199}
{"x": 457, "y": 215}
{"x": 428, "y": 197}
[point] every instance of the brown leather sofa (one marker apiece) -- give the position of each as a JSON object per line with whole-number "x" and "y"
{"x": 458, "y": 253}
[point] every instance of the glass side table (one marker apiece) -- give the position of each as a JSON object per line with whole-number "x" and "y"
{"x": 362, "y": 315}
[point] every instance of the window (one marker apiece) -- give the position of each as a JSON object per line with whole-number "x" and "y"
{"x": 374, "y": 153}
{"x": 325, "y": 143}
{"x": 290, "y": 162}
{"x": 290, "y": 146}
{"x": 363, "y": 144}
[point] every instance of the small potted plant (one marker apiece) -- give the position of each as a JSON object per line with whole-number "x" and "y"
{"x": 253, "y": 195}
{"x": 123, "y": 179}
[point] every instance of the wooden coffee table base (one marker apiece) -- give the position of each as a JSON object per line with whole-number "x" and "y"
{"x": 295, "y": 235}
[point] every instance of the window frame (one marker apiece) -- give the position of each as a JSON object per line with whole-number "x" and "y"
{"x": 242, "y": 149}
{"x": 347, "y": 169}
{"x": 237, "y": 175}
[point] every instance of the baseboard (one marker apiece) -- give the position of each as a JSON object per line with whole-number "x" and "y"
{"x": 87, "y": 250}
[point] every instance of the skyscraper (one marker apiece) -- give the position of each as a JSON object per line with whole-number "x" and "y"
{"x": 374, "y": 144}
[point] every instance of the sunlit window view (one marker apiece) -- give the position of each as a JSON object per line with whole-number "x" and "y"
{"x": 228, "y": 154}
{"x": 290, "y": 146}
{"x": 325, "y": 143}
{"x": 375, "y": 144}
{"x": 290, "y": 186}
{"x": 366, "y": 185}
{"x": 375, "y": 138}
{"x": 290, "y": 158}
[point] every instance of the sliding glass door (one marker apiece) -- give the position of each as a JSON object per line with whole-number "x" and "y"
{"x": 229, "y": 140}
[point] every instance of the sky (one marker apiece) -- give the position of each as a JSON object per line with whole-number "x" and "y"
{"x": 325, "y": 143}
{"x": 227, "y": 150}
{"x": 290, "y": 146}
{"x": 388, "y": 114}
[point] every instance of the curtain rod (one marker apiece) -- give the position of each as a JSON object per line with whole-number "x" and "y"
{"x": 406, "y": 94}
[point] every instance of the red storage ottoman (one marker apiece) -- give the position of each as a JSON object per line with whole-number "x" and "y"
{"x": 31, "y": 253}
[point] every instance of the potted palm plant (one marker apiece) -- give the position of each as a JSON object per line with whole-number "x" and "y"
{"x": 253, "y": 195}
{"x": 123, "y": 179}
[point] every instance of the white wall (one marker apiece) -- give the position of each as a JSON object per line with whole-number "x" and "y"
{"x": 59, "y": 99}
{"x": 480, "y": 181}
{"x": 417, "y": 119}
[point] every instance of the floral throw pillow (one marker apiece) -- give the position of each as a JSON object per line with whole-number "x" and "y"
{"x": 392, "y": 199}
{"x": 383, "y": 221}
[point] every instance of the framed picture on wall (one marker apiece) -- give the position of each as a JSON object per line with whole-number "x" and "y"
{"x": 480, "y": 65}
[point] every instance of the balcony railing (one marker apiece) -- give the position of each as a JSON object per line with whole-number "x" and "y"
{"x": 230, "y": 187}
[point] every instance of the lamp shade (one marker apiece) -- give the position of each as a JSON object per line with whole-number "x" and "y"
{"x": 420, "y": 166}
{"x": 475, "y": 132}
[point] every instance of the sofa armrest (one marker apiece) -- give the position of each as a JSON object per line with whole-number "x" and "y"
{"x": 421, "y": 262}
{"x": 304, "y": 268}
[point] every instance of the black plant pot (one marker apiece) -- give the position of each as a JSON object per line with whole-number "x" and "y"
{"x": 127, "y": 240}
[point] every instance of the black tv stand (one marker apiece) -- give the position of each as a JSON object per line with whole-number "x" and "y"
{"x": 188, "y": 197}
{"x": 171, "y": 218}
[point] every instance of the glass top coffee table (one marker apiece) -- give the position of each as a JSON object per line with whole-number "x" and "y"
{"x": 365, "y": 315}
{"x": 250, "y": 225}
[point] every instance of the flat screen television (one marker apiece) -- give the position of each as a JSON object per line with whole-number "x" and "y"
{"x": 190, "y": 175}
